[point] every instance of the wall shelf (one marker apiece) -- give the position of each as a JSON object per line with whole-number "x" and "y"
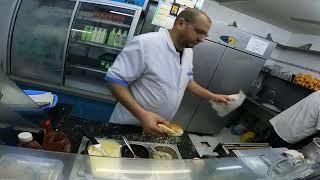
{"x": 298, "y": 49}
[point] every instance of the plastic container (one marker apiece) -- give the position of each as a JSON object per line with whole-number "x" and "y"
{"x": 15, "y": 166}
{"x": 26, "y": 141}
{"x": 312, "y": 150}
{"x": 47, "y": 107}
{"x": 56, "y": 141}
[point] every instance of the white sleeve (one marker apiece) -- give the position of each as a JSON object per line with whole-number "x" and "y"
{"x": 129, "y": 65}
{"x": 318, "y": 120}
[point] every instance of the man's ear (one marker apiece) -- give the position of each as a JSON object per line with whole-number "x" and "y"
{"x": 179, "y": 21}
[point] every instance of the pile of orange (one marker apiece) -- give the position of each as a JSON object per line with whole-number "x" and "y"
{"x": 308, "y": 81}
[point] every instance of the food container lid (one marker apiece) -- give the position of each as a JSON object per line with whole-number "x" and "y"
{"x": 25, "y": 137}
{"x": 16, "y": 166}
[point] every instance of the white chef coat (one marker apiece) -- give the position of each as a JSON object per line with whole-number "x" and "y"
{"x": 150, "y": 67}
{"x": 300, "y": 120}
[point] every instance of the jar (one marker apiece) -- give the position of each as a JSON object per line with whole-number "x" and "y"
{"x": 26, "y": 141}
{"x": 56, "y": 141}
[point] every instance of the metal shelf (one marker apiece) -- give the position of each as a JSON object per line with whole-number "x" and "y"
{"x": 298, "y": 49}
{"x": 97, "y": 45}
{"x": 105, "y": 21}
{"x": 87, "y": 68}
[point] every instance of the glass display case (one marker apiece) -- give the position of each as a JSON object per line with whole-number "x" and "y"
{"x": 38, "y": 39}
{"x": 78, "y": 166}
{"x": 98, "y": 34}
{"x": 68, "y": 45}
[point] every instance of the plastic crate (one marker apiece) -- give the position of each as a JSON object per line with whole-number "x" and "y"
{"x": 46, "y": 108}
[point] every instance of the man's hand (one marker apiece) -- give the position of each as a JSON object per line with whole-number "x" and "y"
{"x": 196, "y": 89}
{"x": 149, "y": 121}
{"x": 221, "y": 98}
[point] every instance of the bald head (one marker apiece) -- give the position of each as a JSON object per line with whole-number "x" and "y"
{"x": 191, "y": 15}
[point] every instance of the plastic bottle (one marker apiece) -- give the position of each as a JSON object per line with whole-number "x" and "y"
{"x": 102, "y": 64}
{"x": 26, "y": 140}
{"x": 84, "y": 33}
{"x": 103, "y": 36}
{"x": 98, "y": 36}
{"x": 124, "y": 38}
{"x": 107, "y": 65}
{"x": 47, "y": 126}
{"x": 111, "y": 37}
{"x": 89, "y": 33}
{"x": 94, "y": 34}
{"x": 117, "y": 39}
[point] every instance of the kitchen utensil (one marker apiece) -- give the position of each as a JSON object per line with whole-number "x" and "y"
{"x": 155, "y": 152}
{"x": 94, "y": 142}
{"x": 130, "y": 148}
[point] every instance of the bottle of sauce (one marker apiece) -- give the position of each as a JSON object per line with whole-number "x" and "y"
{"x": 26, "y": 141}
{"x": 56, "y": 141}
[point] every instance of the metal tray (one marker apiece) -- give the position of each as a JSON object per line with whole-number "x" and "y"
{"x": 169, "y": 148}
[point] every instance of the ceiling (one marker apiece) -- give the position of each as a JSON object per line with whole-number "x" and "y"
{"x": 279, "y": 12}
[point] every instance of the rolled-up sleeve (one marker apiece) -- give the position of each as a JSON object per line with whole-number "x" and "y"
{"x": 129, "y": 65}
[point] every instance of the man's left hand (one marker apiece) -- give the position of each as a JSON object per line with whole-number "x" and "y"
{"x": 221, "y": 98}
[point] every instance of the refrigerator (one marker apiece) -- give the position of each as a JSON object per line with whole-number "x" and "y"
{"x": 48, "y": 42}
{"x": 223, "y": 64}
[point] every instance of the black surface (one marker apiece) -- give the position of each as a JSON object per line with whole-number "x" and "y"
{"x": 72, "y": 127}
{"x": 139, "y": 150}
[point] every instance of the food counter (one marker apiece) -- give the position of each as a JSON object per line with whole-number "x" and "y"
{"x": 53, "y": 165}
{"x": 39, "y": 164}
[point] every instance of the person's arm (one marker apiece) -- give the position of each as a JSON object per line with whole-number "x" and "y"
{"x": 148, "y": 120}
{"x": 196, "y": 89}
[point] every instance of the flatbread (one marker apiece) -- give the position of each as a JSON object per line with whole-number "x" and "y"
{"x": 171, "y": 129}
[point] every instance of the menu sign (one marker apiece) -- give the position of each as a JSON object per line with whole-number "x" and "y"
{"x": 168, "y": 10}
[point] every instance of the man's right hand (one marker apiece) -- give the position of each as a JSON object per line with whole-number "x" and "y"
{"x": 149, "y": 122}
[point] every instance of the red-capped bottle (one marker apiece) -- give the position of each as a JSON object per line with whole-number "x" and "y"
{"x": 47, "y": 126}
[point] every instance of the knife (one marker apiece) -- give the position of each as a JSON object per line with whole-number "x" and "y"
{"x": 94, "y": 142}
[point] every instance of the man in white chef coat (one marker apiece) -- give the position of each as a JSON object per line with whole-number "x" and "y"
{"x": 296, "y": 123}
{"x": 149, "y": 77}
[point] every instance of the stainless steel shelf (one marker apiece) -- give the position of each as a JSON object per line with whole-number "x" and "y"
{"x": 87, "y": 68}
{"x": 97, "y": 45}
{"x": 105, "y": 21}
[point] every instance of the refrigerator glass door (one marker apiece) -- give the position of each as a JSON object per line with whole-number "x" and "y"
{"x": 6, "y": 10}
{"x": 98, "y": 35}
{"x": 38, "y": 39}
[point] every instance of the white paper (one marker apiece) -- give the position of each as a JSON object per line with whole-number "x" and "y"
{"x": 42, "y": 99}
{"x": 224, "y": 109}
{"x": 257, "y": 45}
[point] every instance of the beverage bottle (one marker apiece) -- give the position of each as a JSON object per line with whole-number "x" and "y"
{"x": 26, "y": 141}
{"x": 124, "y": 38}
{"x": 94, "y": 34}
{"x": 117, "y": 39}
{"x": 112, "y": 34}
